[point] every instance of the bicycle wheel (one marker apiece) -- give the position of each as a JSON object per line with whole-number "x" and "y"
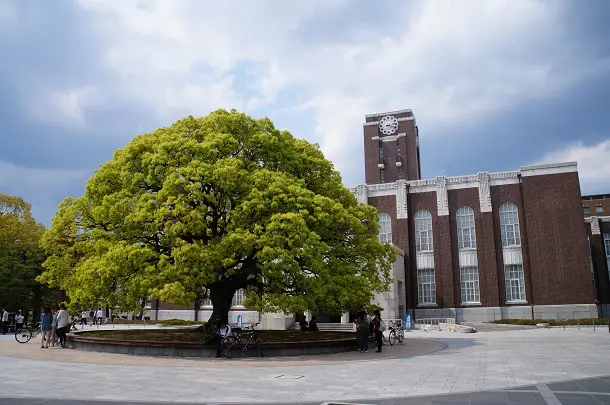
{"x": 230, "y": 347}
{"x": 258, "y": 345}
{"x": 392, "y": 338}
{"x": 401, "y": 336}
{"x": 23, "y": 335}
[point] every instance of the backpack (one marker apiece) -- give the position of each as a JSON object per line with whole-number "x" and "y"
{"x": 382, "y": 326}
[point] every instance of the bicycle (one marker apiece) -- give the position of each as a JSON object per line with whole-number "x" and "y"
{"x": 396, "y": 334}
{"x": 229, "y": 345}
{"x": 25, "y": 334}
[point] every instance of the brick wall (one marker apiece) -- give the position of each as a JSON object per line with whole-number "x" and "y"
{"x": 558, "y": 249}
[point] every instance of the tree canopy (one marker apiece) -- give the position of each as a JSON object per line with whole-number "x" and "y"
{"x": 20, "y": 257}
{"x": 212, "y": 205}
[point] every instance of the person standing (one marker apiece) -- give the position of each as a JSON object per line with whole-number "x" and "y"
{"x": 100, "y": 316}
{"x": 363, "y": 332}
{"x": 4, "y": 321}
{"x": 92, "y": 316}
{"x": 378, "y": 327}
{"x": 54, "y": 328}
{"x": 223, "y": 331}
{"x": 46, "y": 326}
{"x": 83, "y": 318}
{"x": 18, "y": 321}
{"x": 63, "y": 322}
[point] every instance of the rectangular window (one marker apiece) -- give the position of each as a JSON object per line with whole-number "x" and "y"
{"x": 607, "y": 248}
{"x": 426, "y": 287}
{"x": 206, "y": 302}
{"x": 586, "y": 210}
{"x": 515, "y": 283}
{"x": 599, "y": 209}
{"x": 469, "y": 280}
{"x": 381, "y": 176}
{"x": 238, "y": 298}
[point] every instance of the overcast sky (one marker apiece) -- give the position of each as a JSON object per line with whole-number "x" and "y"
{"x": 494, "y": 84}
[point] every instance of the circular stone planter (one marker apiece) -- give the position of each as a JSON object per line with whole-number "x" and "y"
{"x": 186, "y": 349}
{"x": 543, "y": 325}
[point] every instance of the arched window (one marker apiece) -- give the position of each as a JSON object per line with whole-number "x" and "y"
{"x": 509, "y": 225}
{"x": 465, "y": 228}
{"x": 385, "y": 228}
{"x": 423, "y": 231}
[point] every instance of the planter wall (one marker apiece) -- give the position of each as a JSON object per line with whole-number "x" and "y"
{"x": 181, "y": 349}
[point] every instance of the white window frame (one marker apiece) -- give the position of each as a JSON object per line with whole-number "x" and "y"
{"x": 423, "y": 231}
{"x": 599, "y": 209}
{"x": 238, "y": 298}
{"x": 464, "y": 218}
{"x": 385, "y": 228}
{"x": 514, "y": 279}
{"x": 426, "y": 287}
{"x": 509, "y": 225}
{"x": 469, "y": 285}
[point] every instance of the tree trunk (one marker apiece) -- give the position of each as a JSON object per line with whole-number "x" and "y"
{"x": 36, "y": 301}
{"x": 221, "y": 298}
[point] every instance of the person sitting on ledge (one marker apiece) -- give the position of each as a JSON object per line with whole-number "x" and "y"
{"x": 303, "y": 324}
{"x": 313, "y": 325}
{"x": 223, "y": 330}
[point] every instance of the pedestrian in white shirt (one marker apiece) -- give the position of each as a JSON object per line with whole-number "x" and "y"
{"x": 4, "y": 321}
{"x": 83, "y": 318}
{"x": 18, "y": 321}
{"x": 54, "y": 328}
{"x": 100, "y": 316}
{"x": 63, "y": 323}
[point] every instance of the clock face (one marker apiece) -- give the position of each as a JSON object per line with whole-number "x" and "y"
{"x": 388, "y": 125}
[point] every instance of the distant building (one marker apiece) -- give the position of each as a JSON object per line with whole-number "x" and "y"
{"x": 597, "y": 205}
{"x": 478, "y": 247}
{"x": 599, "y": 246}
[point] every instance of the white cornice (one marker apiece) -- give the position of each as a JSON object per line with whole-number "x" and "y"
{"x": 501, "y": 178}
{"x": 552, "y": 168}
{"x": 421, "y": 186}
{"x": 388, "y": 113}
{"x": 383, "y": 189}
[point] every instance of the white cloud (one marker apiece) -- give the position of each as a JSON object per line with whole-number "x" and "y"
{"x": 65, "y": 107}
{"x": 449, "y": 61}
{"x": 593, "y": 164}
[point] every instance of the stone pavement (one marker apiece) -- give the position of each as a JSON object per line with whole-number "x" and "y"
{"x": 468, "y": 362}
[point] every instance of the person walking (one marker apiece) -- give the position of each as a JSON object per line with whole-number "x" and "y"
{"x": 92, "y": 316}
{"x": 378, "y": 328}
{"x": 363, "y": 332}
{"x": 18, "y": 321}
{"x": 4, "y": 321}
{"x": 63, "y": 322}
{"x": 46, "y": 326}
{"x": 83, "y": 318}
{"x": 100, "y": 316}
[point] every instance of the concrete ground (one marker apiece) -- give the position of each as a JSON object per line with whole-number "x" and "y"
{"x": 423, "y": 371}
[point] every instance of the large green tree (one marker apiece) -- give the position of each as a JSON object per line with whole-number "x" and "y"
{"x": 21, "y": 257}
{"x": 212, "y": 205}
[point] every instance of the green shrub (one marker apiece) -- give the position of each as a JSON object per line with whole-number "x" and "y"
{"x": 553, "y": 322}
{"x": 179, "y": 322}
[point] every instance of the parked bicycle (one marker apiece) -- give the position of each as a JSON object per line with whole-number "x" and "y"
{"x": 232, "y": 346}
{"x": 25, "y": 334}
{"x": 396, "y": 333}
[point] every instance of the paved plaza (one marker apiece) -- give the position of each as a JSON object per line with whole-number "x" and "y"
{"x": 509, "y": 366}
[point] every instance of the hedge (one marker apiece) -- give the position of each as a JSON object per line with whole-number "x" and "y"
{"x": 553, "y": 322}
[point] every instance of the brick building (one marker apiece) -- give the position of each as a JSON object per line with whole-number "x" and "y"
{"x": 596, "y": 205}
{"x": 484, "y": 246}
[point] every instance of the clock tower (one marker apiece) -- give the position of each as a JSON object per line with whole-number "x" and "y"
{"x": 391, "y": 147}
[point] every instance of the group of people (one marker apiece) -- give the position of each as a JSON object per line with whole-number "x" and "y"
{"x": 6, "y": 320}
{"x": 96, "y": 317}
{"x": 54, "y": 325}
{"x": 366, "y": 326}
{"x": 312, "y": 325}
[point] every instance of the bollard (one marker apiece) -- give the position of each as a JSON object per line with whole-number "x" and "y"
{"x": 578, "y": 324}
{"x": 608, "y": 326}
{"x": 564, "y": 324}
{"x": 594, "y": 325}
